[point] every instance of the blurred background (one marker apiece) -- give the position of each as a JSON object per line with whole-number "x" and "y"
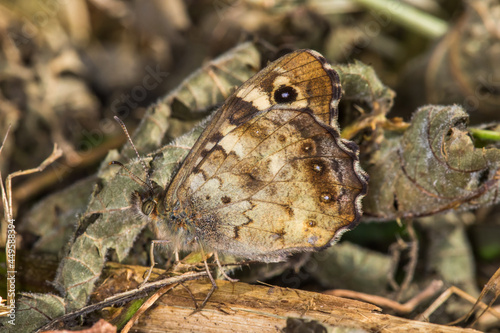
{"x": 67, "y": 67}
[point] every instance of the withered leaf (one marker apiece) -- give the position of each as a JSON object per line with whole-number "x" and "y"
{"x": 432, "y": 167}
{"x": 33, "y": 310}
{"x": 362, "y": 90}
{"x": 360, "y": 84}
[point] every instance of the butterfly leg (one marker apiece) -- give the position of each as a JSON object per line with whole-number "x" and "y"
{"x": 152, "y": 259}
{"x": 177, "y": 264}
{"x": 214, "y": 285}
{"x": 216, "y": 255}
{"x": 192, "y": 297}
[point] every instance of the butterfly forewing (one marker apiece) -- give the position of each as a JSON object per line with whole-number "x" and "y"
{"x": 270, "y": 176}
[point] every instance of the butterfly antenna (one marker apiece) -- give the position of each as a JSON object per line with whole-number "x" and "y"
{"x": 134, "y": 177}
{"x": 148, "y": 181}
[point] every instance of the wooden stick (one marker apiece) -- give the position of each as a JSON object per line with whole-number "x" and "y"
{"x": 240, "y": 307}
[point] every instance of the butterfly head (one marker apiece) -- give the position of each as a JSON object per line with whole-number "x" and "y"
{"x": 149, "y": 202}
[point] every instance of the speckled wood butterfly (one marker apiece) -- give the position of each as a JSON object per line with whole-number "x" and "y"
{"x": 270, "y": 175}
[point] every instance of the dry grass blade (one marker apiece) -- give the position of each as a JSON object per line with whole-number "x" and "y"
{"x": 56, "y": 153}
{"x": 424, "y": 316}
{"x": 407, "y": 307}
{"x": 9, "y": 213}
{"x": 146, "y": 306}
{"x": 491, "y": 291}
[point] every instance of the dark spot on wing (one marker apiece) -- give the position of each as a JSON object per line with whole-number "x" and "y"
{"x": 244, "y": 111}
{"x": 216, "y": 137}
{"x": 289, "y": 210}
{"x": 285, "y": 94}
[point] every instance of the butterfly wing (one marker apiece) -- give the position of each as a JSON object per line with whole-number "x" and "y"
{"x": 270, "y": 175}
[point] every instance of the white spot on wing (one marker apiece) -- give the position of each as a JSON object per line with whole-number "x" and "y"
{"x": 262, "y": 102}
{"x": 279, "y": 69}
{"x": 230, "y": 143}
{"x": 198, "y": 160}
{"x": 212, "y": 185}
{"x": 209, "y": 145}
{"x": 195, "y": 181}
{"x": 256, "y": 96}
{"x": 226, "y": 128}
{"x": 281, "y": 81}
{"x": 302, "y": 103}
{"x": 275, "y": 165}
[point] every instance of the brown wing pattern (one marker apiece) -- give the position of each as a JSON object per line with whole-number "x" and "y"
{"x": 319, "y": 90}
{"x": 270, "y": 176}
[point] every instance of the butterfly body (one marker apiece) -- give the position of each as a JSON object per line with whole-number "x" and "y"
{"x": 270, "y": 175}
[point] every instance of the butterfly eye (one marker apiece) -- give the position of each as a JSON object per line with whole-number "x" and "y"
{"x": 148, "y": 206}
{"x": 285, "y": 94}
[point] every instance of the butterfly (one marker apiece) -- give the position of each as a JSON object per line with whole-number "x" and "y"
{"x": 270, "y": 175}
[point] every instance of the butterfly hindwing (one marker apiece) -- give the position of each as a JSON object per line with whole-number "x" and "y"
{"x": 270, "y": 175}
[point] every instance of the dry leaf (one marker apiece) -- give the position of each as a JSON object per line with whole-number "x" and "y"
{"x": 431, "y": 168}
